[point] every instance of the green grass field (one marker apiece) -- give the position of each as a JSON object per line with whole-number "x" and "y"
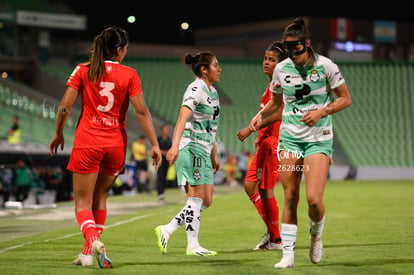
{"x": 369, "y": 230}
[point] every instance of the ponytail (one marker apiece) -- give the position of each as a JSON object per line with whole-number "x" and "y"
{"x": 104, "y": 47}
{"x": 96, "y": 60}
{"x": 299, "y": 30}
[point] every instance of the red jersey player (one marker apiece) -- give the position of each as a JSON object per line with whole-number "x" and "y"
{"x": 261, "y": 176}
{"x": 99, "y": 148}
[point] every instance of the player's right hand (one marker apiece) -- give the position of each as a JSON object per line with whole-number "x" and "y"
{"x": 244, "y": 133}
{"x": 255, "y": 123}
{"x": 172, "y": 155}
{"x": 54, "y": 144}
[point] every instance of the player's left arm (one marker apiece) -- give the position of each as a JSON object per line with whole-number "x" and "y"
{"x": 343, "y": 101}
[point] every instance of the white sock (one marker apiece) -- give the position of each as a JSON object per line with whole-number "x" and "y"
{"x": 288, "y": 235}
{"x": 192, "y": 221}
{"x": 176, "y": 222}
{"x": 289, "y": 238}
{"x": 316, "y": 228}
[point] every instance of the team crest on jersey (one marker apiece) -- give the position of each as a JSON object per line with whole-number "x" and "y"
{"x": 314, "y": 77}
{"x": 196, "y": 174}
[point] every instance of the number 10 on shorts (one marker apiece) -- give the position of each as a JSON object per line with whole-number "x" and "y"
{"x": 197, "y": 162}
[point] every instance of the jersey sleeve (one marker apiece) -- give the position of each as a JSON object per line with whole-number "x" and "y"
{"x": 75, "y": 79}
{"x": 333, "y": 75}
{"x": 275, "y": 86}
{"x": 192, "y": 96}
{"x": 135, "y": 84}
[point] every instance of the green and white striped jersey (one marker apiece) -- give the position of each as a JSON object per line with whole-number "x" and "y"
{"x": 201, "y": 129}
{"x": 305, "y": 88}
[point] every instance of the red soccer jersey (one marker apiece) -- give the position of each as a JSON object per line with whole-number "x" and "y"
{"x": 104, "y": 104}
{"x": 271, "y": 132}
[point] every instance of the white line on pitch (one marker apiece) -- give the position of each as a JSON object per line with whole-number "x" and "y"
{"x": 75, "y": 234}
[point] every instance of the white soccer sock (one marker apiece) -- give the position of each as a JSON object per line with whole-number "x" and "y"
{"x": 316, "y": 228}
{"x": 176, "y": 222}
{"x": 289, "y": 238}
{"x": 288, "y": 235}
{"x": 192, "y": 221}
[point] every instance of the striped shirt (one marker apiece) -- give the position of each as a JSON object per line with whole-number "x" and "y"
{"x": 201, "y": 129}
{"x": 305, "y": 88}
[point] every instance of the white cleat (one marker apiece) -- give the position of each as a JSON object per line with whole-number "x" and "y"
{"x": 288, "y": 261}
{"x": 200, "y": 251}
{"x": 264, "y": 240}
{"x": 83, "y": 260}
{"x": 162, "y": 238}
{"x": 316, "y": 249}
{"x": 271, "y": 246}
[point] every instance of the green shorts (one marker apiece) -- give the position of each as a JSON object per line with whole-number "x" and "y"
{"x": 193, "y": 167}
{"x": 303, "y": 149}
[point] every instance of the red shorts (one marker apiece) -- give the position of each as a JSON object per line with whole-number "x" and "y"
{"x": 109, "y": 160}
{"x": 264, "y": 168}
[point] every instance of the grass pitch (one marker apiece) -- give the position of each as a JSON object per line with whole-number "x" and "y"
{"x": 369, "y": 230}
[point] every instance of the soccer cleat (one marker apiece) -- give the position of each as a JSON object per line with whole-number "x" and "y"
{"x": 316, "y": 249}
{"x": 162, "y": 238}
{"x": 98, "y": 249}
{"x": 200, "y": 251}
{"x": 288, "y": 261}
{"x": 264, "y": 240}
{"x": 83, "y": 260}
{"x": 271, "y": 246}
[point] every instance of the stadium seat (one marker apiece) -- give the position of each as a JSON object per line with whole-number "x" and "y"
{"x": 377, "y": 130}
{"x": 36, "y": 122}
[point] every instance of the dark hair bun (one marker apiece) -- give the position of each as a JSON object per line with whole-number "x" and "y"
{"x": 198, "y": 60}
{"x": 299, "y": 21}
{"x": 189, "y": 59}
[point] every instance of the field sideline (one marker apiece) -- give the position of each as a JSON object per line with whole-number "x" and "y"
{"x": 369, "y": 230}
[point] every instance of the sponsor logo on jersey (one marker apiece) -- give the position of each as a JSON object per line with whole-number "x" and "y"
{"x": 303, "y": 110}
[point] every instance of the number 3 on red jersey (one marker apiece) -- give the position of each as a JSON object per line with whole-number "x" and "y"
{"x": 106, "y": 91}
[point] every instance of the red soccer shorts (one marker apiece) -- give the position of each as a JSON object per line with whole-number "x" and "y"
{"x": 264, "y": 168}
{"x": 109, "y": 160}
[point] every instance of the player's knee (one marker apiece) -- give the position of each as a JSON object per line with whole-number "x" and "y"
{"x": 291, "y": 198}
{"x": 314, "y": 202}
{"x": 250, "y": 188}
{"x": 266, "y": 194}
